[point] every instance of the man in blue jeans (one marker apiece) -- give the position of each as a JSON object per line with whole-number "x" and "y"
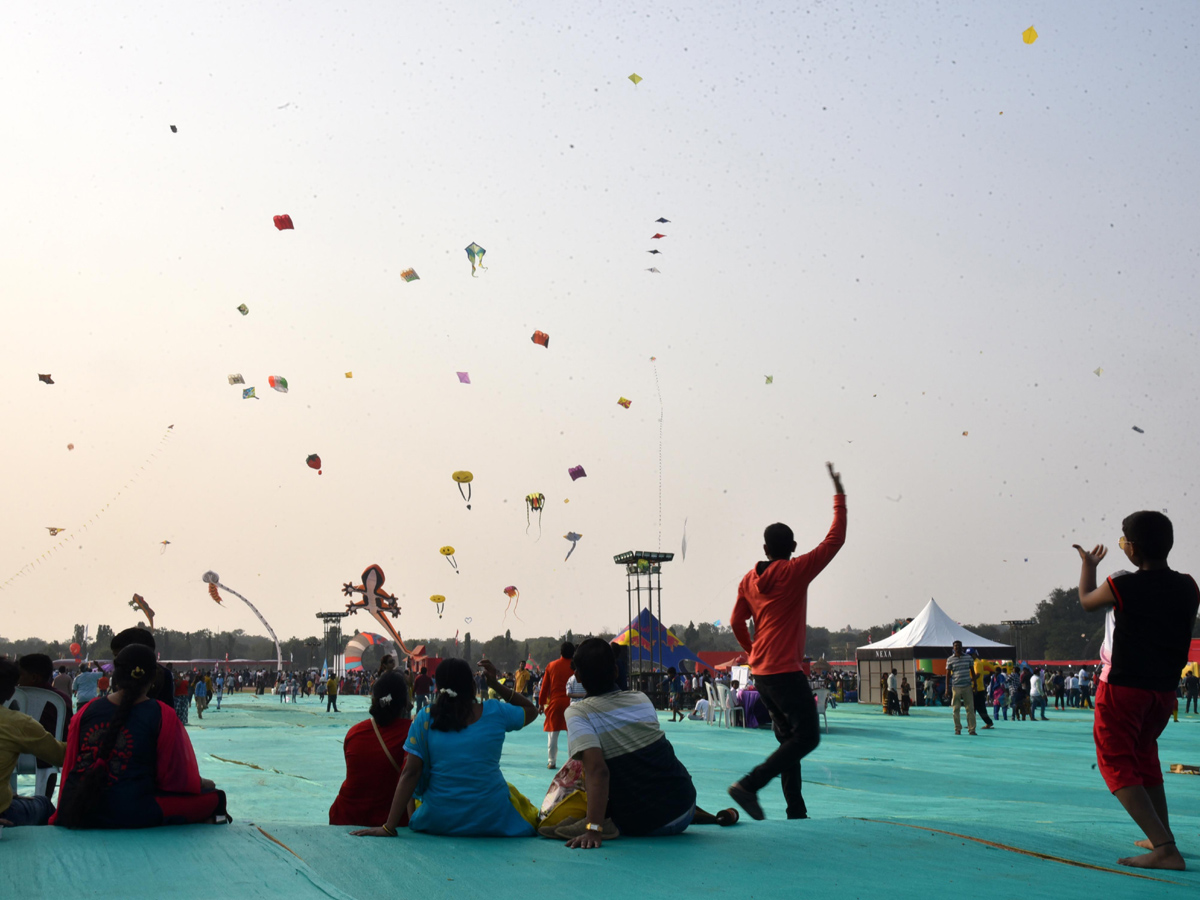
{"x": 21, "y": 734}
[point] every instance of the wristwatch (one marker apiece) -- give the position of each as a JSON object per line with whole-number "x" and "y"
{"x": 592, "y": 826}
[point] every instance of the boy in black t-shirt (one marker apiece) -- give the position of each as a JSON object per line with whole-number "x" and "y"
{"x": 1151, "y": 613}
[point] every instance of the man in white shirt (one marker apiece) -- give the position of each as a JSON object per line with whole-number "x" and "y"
{"x": 1037, "y": 697}
{"x": 85, "y": 686}
{"x": 1072, "y": 691}
{"x": 893, "y": 689}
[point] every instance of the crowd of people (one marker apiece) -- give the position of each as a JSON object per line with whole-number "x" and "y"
{"x": 127, "y": 761}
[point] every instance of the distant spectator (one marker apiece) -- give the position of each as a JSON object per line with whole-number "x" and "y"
{"x": 86, "y": 685}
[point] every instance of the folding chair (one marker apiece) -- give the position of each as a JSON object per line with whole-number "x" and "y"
{"x": 32, "y": 701}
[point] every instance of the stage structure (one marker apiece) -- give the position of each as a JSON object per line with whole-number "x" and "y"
{"x": 643, "y": 576}
{"x": 333, "y": 639}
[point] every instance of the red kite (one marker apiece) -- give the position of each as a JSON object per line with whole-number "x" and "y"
{"x": 284, "y": 223}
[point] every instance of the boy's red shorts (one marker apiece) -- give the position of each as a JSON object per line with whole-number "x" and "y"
{"x": 1127, "y": 725}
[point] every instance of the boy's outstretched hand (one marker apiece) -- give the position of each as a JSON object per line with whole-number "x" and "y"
{"x": 837, "y": 479}
{"x": 1092, "y": 559}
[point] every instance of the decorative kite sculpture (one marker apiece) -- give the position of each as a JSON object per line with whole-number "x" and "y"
{"x": 213, "y": 580}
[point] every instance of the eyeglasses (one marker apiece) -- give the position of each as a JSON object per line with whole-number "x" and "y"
{"x": 1124, "y": 543}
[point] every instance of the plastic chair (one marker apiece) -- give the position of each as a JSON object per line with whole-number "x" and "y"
{"x": 716, "y": 708}
{"x": 732, "y": 707}
{"x": 822, "y": 698}
{"x": 32, "y": 701}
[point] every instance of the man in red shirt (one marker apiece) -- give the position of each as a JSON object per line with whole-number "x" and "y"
{"x": 775, "y": 596}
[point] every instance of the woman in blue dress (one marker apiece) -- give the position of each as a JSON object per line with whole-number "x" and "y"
{"x": 453, "y": 764}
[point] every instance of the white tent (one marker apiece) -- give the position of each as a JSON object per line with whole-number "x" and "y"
{"x": 931, "y": 635}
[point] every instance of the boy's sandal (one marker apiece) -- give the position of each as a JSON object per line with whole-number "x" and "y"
{"x": 608, "y": 831}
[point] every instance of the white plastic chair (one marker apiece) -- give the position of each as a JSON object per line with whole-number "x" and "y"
{"x": 32, "y": 701}
{"x": 716, "y": 708}
{"x": 822, "y": 698}
{"x": 732, "y": 707}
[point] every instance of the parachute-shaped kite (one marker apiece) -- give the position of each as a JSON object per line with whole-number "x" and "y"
{"x": 574, "y": 539}
{"x": 237, "y": 379}
{"x": 139, "y": 602}
{"x": 541, "y": 338}
{"x": 439, "y": 601}
{"x": 314, "y": 462}
{"x": 576, "y": 472}
{"x": 475, "y": 255}
{"x": 278, "y": 382}
{"x": 45, "y": 379}
{"x": 514, "y": 600}
{"x": 534, "y": 503}
{"x": 213, "y": 580}
{"x": 165, "y": 545}
{"x": 410, "y": 275}
{"x": 243, "y": 309}
{"x": 378, "y": 602}
{"x": 448, "y": 552}
{"x": 284, "y": 222}
{"x": 462, "y": 477}
{"x": 624, "y": 402}
{"x": 360, "y": 642}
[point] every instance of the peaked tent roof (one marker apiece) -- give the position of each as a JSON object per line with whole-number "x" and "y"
{"x": 932, "y": 633}
{"x": 644, "y": 636}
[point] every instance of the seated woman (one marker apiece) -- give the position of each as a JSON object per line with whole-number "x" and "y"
{"x": 635, "y": 784}
{"x": 453, "y": 763}
{"x": 374, "y": 757}
{"x": 129, "y": 763}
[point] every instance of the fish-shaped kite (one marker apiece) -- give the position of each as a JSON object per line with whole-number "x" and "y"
{"x": 574, "y": 539}
{"x": 284, "y": 222}
{"x": 475, "y": 255}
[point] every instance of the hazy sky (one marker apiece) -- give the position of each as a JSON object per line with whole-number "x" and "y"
{"x": 918, "y": 224}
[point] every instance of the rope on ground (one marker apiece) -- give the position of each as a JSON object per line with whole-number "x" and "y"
{"x": 238, "y": 762}
{"x": 271, "y": 837}
{"x": 1033, "y": 853}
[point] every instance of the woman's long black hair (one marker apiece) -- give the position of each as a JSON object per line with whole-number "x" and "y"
{"x": 134, "y": 671}
{"x": 389, "y": 699}
{"x": 455, "y": 699}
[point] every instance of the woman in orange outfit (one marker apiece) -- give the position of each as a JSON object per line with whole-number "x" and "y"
{"x": 553, "y": 700}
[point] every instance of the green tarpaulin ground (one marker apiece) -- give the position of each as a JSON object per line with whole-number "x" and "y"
{"x": 1027, "y": 786}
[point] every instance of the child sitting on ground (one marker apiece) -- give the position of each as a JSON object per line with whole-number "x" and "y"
{"x": 635, "y": 784}
{"x": 1151, "y": 613}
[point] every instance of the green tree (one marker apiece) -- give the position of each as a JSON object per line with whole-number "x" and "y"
{"x": 100, "y": 645}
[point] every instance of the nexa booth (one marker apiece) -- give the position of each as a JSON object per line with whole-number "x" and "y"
{"x": 928, "y": 637}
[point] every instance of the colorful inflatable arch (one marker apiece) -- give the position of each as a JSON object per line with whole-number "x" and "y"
{"x": 359, "y": 643}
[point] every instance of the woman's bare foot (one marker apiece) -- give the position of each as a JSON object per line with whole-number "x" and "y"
{"x": 1166, "y": 856}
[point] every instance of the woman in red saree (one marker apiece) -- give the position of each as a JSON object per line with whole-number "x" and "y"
{"x": 129, "y": 762}
{"x": 374, "y": 757}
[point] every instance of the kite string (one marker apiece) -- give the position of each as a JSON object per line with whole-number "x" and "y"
{"x": 70, "y": 536}
{"x": 658, "y": 390}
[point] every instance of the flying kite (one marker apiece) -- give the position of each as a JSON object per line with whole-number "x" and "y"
{"x": 165, "y": 544}
{"x": 284, "y": 222}
{"x": 45, "y": 379}
{"x": 463, "y": 377}
{"x": 656, "y": 236}
{"x": 376, "y": 601}
{"x": 213, "y": 580}
{"x": 662, "y": 221}
{"x": 410, "y": 275}
{"x": 475, "y": 255}
{"x": 349, "y": 374}
{"x": 360, "y": 642}
{"x": 514, "y": 596}
{"x": 654, "y": 270}
{"x": 540, "y": 337}
{"x": 70, "y": 446}
{"x": 683, "y": 544}
{"x": 448, "y": 552}
{"x": 54, "y": 531}
{"x": 1099, "y": 372}
{"x": 243, "y": 309}
{"x": 248, "y": 394}
{"x": 174, "y": 130}
{"x": 1029, "y": 35}
{"x": 770, "y": 379}
{"x": 574, "y": 539}
{"x": 576, "y": 472}
{"x": 439, "y": 601}
{"x": 139, "y": 602}
{"x": 624, "y": 402}
{"x": 314, "y": 462}
{"x": 237, "y": 379}
{"x": 463, "y": 477}
{"x": 1138, "y": 430}
{"x": 654, "y": 251}
{"x": 635, "y": 77}
{"x": 534, "y": 503}
{"x": 278, "y": 382}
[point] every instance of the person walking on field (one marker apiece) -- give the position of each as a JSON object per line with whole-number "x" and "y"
{"x": 331, "y": 692}
{"x": 958, "y": 681}
{"x": 553, "y": 700}
{"x": 775, "y": 595}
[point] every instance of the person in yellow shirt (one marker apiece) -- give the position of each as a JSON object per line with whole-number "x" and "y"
{"x": 21, "y": 734}
{"x": 983, "y": 668}
{"x": 522, "y": 679}
{"x": 331, "y": 692}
